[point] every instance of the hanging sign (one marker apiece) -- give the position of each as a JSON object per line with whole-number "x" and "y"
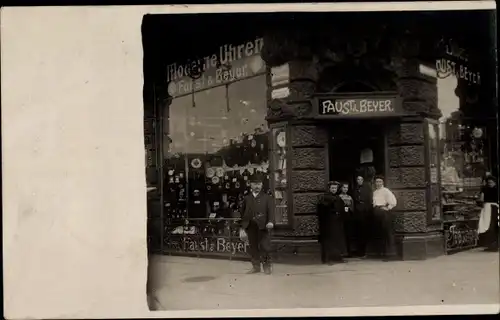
{"x": 455, "y": 61}
{"x": 280, "y": 75}
{"x": 358, "y": 106}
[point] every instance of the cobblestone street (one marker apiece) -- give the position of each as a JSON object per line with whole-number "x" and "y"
{"x": 182, "y": 283}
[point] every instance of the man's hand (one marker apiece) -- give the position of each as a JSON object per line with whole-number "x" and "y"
{"x": 269, "y": 225}
{"x": 243, "y": 235}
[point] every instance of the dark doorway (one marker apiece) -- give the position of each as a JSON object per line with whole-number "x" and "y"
{"x": 347, "y": 141}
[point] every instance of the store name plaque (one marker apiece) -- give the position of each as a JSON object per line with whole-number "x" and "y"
{"x": 366, "y": 107}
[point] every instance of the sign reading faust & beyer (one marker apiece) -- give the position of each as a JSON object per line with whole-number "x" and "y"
{"x": 207, "y": 245}
{"x": 358, "y": 106}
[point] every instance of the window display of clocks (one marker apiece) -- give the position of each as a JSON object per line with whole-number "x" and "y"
{"x": 221, "y": 140}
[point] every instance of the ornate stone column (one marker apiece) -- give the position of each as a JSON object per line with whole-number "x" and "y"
{"x": 407, "y": 175}
{"x": 309, "y": 142}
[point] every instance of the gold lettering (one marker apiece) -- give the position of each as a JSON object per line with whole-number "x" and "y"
{"x": 388, "y": 104}
{"x": 213, "y": 61}
{"x": 241, "y": 47}
{"x": 362, "y": 106}
{"x": 259, "y": 44}
{"x": 249, "y": 49}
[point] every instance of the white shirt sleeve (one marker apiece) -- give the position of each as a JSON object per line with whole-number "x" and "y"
{"x": 390, "y": 199}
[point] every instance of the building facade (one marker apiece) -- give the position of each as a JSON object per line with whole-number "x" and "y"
{"x": 300, "y": 106}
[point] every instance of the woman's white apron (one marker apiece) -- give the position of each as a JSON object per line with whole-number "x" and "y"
{"x": 485, "y": 217}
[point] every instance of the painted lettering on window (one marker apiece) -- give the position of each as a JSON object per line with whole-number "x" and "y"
{"x": 207, "y": 245}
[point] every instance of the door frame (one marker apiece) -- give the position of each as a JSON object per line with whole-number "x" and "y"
{"x": 382, "y": 141}
{"x": 428, "y": 173}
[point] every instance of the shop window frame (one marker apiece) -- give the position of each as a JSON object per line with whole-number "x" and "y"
{"x": 431, "y": 203}
{"x": 288, "y": 161}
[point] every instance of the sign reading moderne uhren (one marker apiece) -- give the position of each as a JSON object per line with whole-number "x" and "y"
{"x": 231, "y": 63}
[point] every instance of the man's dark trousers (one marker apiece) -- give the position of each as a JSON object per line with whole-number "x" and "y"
{"x": 257, "y": 213}
{"x": 260, "y": 245}
{"x": 358, "y": 227}
{"x": 386, "y": 231}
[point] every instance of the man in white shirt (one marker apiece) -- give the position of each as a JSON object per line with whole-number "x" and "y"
{"x": 383, "y": 202}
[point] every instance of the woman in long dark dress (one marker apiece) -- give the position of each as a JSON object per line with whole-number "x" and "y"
{"x": 488, "y": 222}
{"x": 331, "y": 225}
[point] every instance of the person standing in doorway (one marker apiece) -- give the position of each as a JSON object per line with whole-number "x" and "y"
{"x": 331, "y": 215}
{"x": 257, "y": 221}
{"x": 347, "y": 212}
{"x": 383, "y": 202}
{"x": 366, "y": 168}
{"x": 362, "y": 215}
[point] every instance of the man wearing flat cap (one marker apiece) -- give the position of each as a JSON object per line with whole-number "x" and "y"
{"x": 257, "y": 221}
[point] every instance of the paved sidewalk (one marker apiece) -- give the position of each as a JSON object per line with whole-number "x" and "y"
{"x": 182, "y": 283}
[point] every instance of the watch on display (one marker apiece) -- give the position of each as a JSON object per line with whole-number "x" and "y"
{"x": 210, "y": 172}
{"x": 219, "y": 172}
{"x": 196, "y": 163}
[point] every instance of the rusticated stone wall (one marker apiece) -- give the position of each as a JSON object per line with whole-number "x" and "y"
{"x": 309, "y": 174}
{"x": 406, "y": 176}
{"x": 395, "y": 67}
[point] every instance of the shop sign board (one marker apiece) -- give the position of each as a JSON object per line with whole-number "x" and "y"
{"x": 358, "y": 106}
{"x": 220, "y": 245}
{"x": 280, "y": 93}
{"x": 455, "y": 61}
{"x": 280, "y": 75}
{"x": 230, "y": 64}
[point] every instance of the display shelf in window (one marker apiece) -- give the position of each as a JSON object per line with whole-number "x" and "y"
{"x": 279, "y": 174}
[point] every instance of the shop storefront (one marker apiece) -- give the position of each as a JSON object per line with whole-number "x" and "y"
{"x": 300, "y": 115}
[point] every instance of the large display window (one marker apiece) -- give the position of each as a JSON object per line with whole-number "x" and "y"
{"x": 465, "y": 158}
{"x": 215, "y": 140}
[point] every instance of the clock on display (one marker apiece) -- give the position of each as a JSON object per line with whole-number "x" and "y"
{"x": 210, "y": 172}
{"x": 281, "y": 139}
{"x": 219, "y": 172}
{"x": 196, "y": 163}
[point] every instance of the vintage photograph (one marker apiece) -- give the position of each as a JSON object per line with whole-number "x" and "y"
{"x": 321, "y": 160}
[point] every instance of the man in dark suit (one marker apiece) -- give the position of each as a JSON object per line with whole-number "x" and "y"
{"x": 257, "y": 220}
{"x": 362, "y": 214}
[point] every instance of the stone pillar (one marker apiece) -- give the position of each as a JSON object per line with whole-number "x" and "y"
{"x": 407, "y": 160}
{"x": 309, "y": 142}
{"x": 309, "y": 175}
